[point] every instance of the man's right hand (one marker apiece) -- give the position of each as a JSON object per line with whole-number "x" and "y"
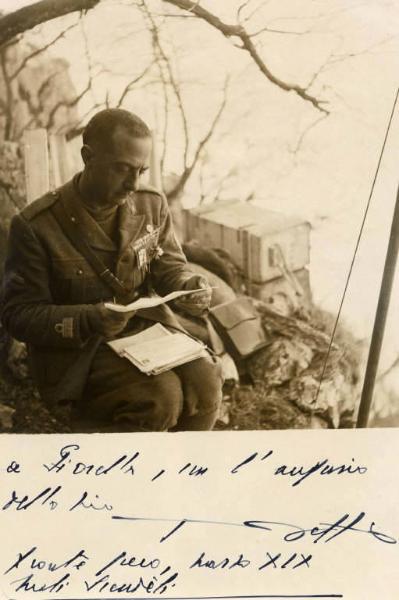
{"x": 106, "y": 322}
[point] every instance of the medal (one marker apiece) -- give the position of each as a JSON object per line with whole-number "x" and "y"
{"x": 142, "y": 258}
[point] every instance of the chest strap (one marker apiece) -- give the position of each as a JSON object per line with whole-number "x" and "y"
{"x": 76, "y": 236}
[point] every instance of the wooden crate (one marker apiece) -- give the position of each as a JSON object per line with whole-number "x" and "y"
{"x": 250, "y": 234}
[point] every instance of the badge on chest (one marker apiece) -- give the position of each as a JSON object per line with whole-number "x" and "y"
{"x": 142, "y": 259}
{"x": 146, "y": 247}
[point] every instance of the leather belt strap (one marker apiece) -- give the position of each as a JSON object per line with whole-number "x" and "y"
{"x": 75, "y": 235}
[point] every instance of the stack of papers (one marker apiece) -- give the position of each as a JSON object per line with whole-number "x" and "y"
{"x": 156, "y": 349}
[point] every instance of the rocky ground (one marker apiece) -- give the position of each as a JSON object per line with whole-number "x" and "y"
{"x": 278, "y": 388}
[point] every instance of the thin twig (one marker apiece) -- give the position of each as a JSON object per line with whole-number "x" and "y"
{"x": 129, "y": 86}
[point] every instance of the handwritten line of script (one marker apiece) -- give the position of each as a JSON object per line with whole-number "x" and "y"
{"x": 249, "y": 597}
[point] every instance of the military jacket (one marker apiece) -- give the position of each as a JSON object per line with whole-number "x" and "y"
{"x": 49, "y": 286}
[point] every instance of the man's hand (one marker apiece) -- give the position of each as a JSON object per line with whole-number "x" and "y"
{"x": 107, "y": 322}
{"x": 195, "y": 304}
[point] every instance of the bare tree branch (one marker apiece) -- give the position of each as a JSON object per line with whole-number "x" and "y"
{"x": 7, "y": 189}
{"x": 29, "y": 16}
{"x": 174, "y": 15}
{"x": 88, "y": 88}
{"x": 389, "y": 370}
{"x": 165, "y": 93}
{"x": 190, "y": 168}
{"x": 257, "y": 9}
{"x": 35, "y": 109}
{"x": 304, "y": 134}
{"x": 89, "y": 61}
{"x": 38, "y": 51}
{"x": 78, "y": 128}
{"x": 248, "y": 45}
{"x": 337, "y": 58}
{"x": 44, "y": 85}
{"x": 172, "y": 80}
{"x": 13, "y": 42}
{"x": 9, "y": 97}
{"x": 159, "y": 57}
{"x": 240, "y": 10}
{"x": 66, "y": 104}
{"x": 128, "y": 88}
{"x": 334, "y": 58}
{"x": 215, "y": 190}
{"x": 279, "y": 31}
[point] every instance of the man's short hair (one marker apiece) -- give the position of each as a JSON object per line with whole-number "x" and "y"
{"x": 103, "y": 124}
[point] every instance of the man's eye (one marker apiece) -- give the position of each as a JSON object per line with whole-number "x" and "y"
{"x": 120, "y": 168}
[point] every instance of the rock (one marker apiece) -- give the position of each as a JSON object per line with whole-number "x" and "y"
{"x": 256, "y": 407}
{"x": 286, "y": 391}
{"x": 283, "y": 304}
{"x": 317, "y": 423}
{"x": 328, "y": 400}
{"x": 279, "y": 362}
{"x": 6, "y": 417}
{"x": 17, "y": 360}
{"x": 224, "y": 414}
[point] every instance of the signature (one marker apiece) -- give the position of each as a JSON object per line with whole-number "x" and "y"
{"x": 325, "y": 532}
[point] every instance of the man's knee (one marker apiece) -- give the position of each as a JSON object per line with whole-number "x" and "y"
{"x": 210, "y": 374}
{"x": 147, "y": 404}
{"x": 202, "y": 385}
{"x": 208, "y": 371}
{"x": 167, "y": 395}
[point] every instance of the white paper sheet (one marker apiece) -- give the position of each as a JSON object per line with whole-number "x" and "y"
{"x": 149, "y": 301}
{"x": 295, "y": 514}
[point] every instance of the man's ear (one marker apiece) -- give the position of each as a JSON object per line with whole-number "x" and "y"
{"x": 86, "y": 153}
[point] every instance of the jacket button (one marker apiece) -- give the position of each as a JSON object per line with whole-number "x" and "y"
{"x": 79, "y": 272}
{"x": 73, "y": 219}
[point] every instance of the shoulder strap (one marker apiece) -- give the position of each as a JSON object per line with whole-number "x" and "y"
{"x": 76, "y": 237}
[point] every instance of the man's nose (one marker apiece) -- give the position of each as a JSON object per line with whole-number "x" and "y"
{"x": 131, "y": 183}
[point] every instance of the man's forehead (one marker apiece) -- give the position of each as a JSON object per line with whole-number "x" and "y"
{"x": 122, "y": 144}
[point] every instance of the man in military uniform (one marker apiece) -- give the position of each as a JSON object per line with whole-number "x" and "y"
{"x": 102, "y": 237}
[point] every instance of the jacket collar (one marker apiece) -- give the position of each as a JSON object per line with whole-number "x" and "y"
{"x": 130, "y": 224}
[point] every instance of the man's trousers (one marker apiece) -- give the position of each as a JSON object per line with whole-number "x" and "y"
{"x": 119, "y": 397}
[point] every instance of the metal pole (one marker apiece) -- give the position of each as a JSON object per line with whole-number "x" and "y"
{"x": 380, "y": 319}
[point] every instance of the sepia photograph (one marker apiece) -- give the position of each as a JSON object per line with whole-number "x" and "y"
{"x": 199, "y": 232}
{"x": 199, "y": 223}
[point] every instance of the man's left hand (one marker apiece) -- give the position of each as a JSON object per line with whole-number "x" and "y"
{"x": 198, "y": 303}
